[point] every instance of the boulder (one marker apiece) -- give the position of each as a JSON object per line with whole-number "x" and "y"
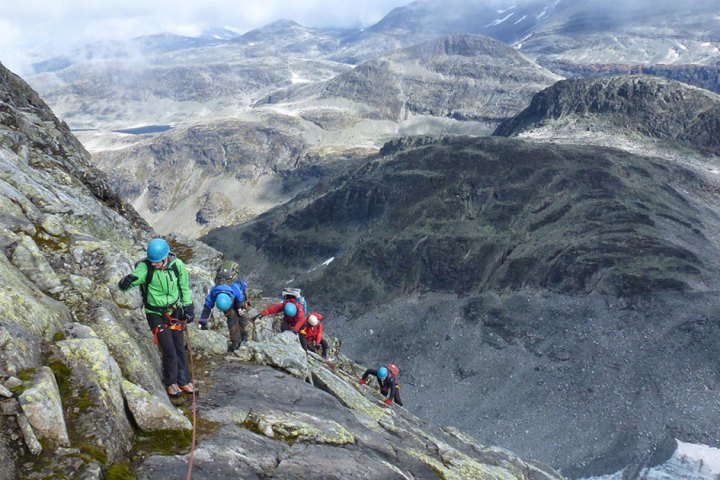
{"x": 96, "y": 381}
{"x": 150, "y": 413}
{"x": 43, "y": 408}
{"x": 282, "y": 351}
{"x": 298, "y": 426}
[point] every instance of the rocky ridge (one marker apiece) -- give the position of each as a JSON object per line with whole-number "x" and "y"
{"x": 80, "y": 392}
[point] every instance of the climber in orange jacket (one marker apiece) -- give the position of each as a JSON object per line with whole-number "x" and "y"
{"x": 311, "y": 337}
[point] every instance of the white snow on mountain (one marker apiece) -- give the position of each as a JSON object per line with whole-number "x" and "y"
{"x": 520, "y": 19}
{"x": 518, "y": 45}
{"x": 543, "y": 13}
{"x": 506, "y": 9}
{"x": 689, "y": 462}
{"x": 499, "y": 20}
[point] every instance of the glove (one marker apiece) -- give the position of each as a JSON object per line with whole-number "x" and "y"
{"x": 189, "y": 313}
{"x": 387, "y": 402}
{"x": 362, "y": 381}
{"x": 126, "y": 281}
{"x": 203, "y": 324}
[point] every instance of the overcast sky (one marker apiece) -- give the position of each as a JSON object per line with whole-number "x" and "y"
{"x": 32, "y": 29}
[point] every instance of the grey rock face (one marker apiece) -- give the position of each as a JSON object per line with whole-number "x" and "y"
{"x": 293, "y": 428}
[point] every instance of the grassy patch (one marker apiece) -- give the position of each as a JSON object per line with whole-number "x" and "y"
{"x": 120, "y": 471}
{"x": 163, "y": 442}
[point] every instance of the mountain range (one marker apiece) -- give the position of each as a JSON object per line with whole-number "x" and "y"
{"x": 336, "y": 80}
{"x": 467, "y": 190}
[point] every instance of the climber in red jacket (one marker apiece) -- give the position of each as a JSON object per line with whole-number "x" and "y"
{"x": 311, "y": 337}
{"x": 292, "y": 308}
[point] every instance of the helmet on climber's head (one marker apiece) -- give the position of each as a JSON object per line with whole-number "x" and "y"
{"x": 382, "y": 373}
{"x": 313, "y": 320}
{"x": 157, "y": 250}
{"x": 223, "y": 302}
{"x": 290, "y": 309}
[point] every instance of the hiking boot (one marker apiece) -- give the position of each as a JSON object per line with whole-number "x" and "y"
{"x": 236, "y": 345}
{"x": 173, "y": 390}
{"x": 189, "y": 388}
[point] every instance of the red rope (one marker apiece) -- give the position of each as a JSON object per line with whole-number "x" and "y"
{"x": 194, "y": 408}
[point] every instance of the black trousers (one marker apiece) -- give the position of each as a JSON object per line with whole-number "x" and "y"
{"x": 395, "y": 395}
{"x": 311, "y": 345}
{"x": 172, "y": 348}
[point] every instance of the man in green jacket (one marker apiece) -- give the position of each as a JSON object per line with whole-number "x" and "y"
{"x": 164, "y": 283}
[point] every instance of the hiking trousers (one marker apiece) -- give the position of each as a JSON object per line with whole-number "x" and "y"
{"x": 313, "y": 346}
{"x": 395, "y": 396}
{"x": 237, "y": 327}
{"x": 172, "y": 348}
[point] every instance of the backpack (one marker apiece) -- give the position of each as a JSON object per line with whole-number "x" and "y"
{"x": 151, "y": 273}
{"x": 227, "y": 273}
{"x": 299, "y": 298}
{"x": 394, "y": 370}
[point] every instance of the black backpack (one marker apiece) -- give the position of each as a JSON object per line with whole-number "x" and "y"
{"x": 151, "y": 272}
{"x": 227, "y": 273}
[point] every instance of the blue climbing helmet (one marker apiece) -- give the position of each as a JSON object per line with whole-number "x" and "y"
{"x": 382, "y": 373}
{"x": 290, "y": 309}
{"x": 157, "y": 250}
{"x": 223, "y": 302}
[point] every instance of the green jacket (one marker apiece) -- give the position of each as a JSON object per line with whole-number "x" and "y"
{"x": 163, "y": 288}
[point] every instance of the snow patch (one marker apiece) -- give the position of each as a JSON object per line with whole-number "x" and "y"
{"x": 296, "y": 78}
{"x": 323, "y": 264}
{"x": 518, "y": 45}
{"x": 698, "y": 462}
{"x": 542, "y": 14}
{"x": 709, "y": 457}
{"x": 521, "y": 19}
{"x": 498, "y": 21}
{"x": 506, "y": 9}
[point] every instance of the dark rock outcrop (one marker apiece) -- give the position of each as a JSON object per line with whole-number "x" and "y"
{"x": 704, "y": 76}
{"x": 649, "y": 106}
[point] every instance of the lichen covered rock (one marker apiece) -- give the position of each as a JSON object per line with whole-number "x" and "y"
{"x": 42, "y": 405}
{"x": 150, "y": 413}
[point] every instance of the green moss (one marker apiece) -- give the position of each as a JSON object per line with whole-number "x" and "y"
{"x": 120, "y": 471}
{"x": 93, "y": 452}
{"x": 26, "y": 375}
{"x": 163, "y": 442}
{"x": 58, "y": 336}
{"x": 47, "y": 242}
{"x": 62, "y": 377}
